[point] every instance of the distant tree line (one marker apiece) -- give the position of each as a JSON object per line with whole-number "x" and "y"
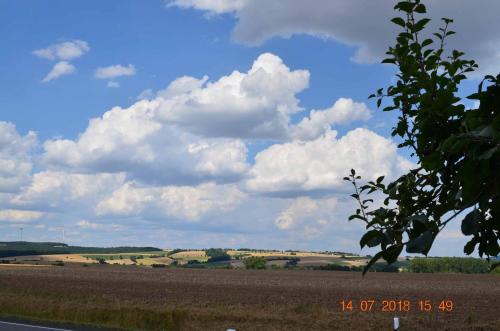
{"x": 449, "y": 265}
{"x": 23, "y": 248}
{"x": 377, "y": 267}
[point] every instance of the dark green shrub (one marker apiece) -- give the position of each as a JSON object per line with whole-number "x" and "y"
{"x": 255, "y": 262}
{"x": 217, "y": 255}
{"x": 158, "y": 265}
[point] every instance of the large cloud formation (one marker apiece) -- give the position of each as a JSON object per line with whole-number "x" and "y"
{"x": 132, "y": 140}
{"x": 255, "y": 104}
{"x": 319, "y": 165}
{"x": 363, "y": 24}
{"x": 178, "y": 159}
{"x": 181, "y": 202}
{"x": 194, "y": 130}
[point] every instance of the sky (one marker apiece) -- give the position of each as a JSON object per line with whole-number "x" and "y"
{"x": 204, "y": 123}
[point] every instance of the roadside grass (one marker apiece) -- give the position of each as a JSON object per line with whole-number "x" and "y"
{"x": 91, "y": 312}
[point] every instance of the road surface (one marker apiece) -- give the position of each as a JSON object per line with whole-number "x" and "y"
{"x": 12, "y": 326}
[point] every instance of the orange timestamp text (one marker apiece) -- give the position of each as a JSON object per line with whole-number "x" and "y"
{"x": 396, "y": 305}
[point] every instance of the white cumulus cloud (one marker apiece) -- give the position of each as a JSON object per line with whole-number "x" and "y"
{"x": 134, "y": 141}
{"x": 343, "y": 111}
{"x": 15, "y": 157}
{"x": 180, "y": 202}
{"x": 59, "y": 191}
{"x": 256, "y": 104}
{"x": 299, "y": 167}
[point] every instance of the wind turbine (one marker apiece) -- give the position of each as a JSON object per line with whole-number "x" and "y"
{"x": 62, "y": 233}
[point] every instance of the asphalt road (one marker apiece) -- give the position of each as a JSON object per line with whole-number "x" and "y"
{"x": 11, "y": 326}
{"x": 16, "y": 324}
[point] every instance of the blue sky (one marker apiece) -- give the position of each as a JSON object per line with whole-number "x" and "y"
{"x": 235, "y": 159}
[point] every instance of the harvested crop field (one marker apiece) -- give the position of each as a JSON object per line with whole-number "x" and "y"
{"x": 205, "y": 299}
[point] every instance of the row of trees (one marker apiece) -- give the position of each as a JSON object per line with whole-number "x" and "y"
{"x": 449, "y": 264}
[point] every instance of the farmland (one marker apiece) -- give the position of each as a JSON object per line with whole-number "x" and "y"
{"x": 183, "y": 257}
{"x": 131, "y": 297}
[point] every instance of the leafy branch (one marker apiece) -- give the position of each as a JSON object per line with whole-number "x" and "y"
{"x": 457, "y": 150}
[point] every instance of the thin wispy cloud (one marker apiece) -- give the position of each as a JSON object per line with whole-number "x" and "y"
{"x": 60, "y": 69}
{"x": 114, "y": 71}
{"x": 64, "y": 51}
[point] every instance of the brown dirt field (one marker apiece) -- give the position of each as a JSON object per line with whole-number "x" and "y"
{"x": 9, "y": 265}
{"x": 204, "y": 299}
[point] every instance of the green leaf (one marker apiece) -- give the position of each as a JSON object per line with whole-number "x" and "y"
{"x": 420, "y": 8}
{"x": 371, "y": 239}
{"x": 391, "y": 254}
{"x": 470, "y": 223}
{"x": 421, "y": 24}
{"x": 356, "y": 216}
{"x": 405, "y": 6}
{"x": 470, "y": 246}
{"x": 427, "y": 42}
{"x": 399, "y": 21}
{"x": 391, "y": 61}
{"x": 421, "y": 244}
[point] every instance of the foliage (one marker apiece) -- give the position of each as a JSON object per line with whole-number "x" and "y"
{"x": 292, "y": 263}
{"x": 158, "y": 265}
{"x": 255, "y": 262}
{"x": 24, "y": 248}
{"x": 217, "y": 255}
{"x": 377, "y": 267}
{"x": 449, "y": 264}
{"x": 457, "y": 150}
